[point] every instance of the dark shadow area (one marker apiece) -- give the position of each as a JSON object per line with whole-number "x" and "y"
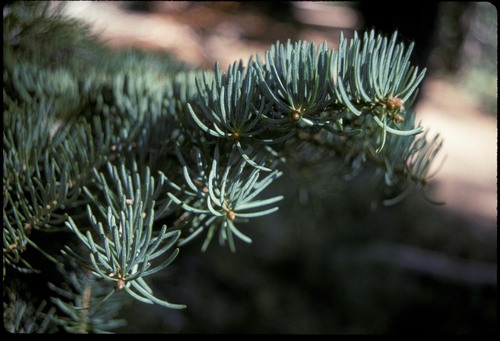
{"x": 336, "y": 267}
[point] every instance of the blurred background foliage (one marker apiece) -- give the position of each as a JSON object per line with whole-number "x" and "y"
{"x": 330, "y": 261}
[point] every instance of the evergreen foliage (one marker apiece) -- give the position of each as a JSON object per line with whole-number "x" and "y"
{"x": 113, "y": 160}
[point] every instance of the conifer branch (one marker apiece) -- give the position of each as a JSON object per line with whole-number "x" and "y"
{"x": 81, "y": 304}
{"x": 215, "y": 200}
{"x": 127, "y": 249}
{"x": 105, "y": 148}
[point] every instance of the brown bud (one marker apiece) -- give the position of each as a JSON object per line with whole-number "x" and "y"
{"x": 394, "y": 103}
{"x": 231, "y": 215}
{"x": 398, "y": 118}
{"x": 120, "y": 284}
{"x": 295, "y": 115}
{"x": 235, "y": 136}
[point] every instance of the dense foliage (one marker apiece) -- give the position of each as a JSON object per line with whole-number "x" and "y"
{"x": 113, "y": 160}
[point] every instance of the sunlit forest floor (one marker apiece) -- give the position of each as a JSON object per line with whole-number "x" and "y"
{"x": 413, "y": 267}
